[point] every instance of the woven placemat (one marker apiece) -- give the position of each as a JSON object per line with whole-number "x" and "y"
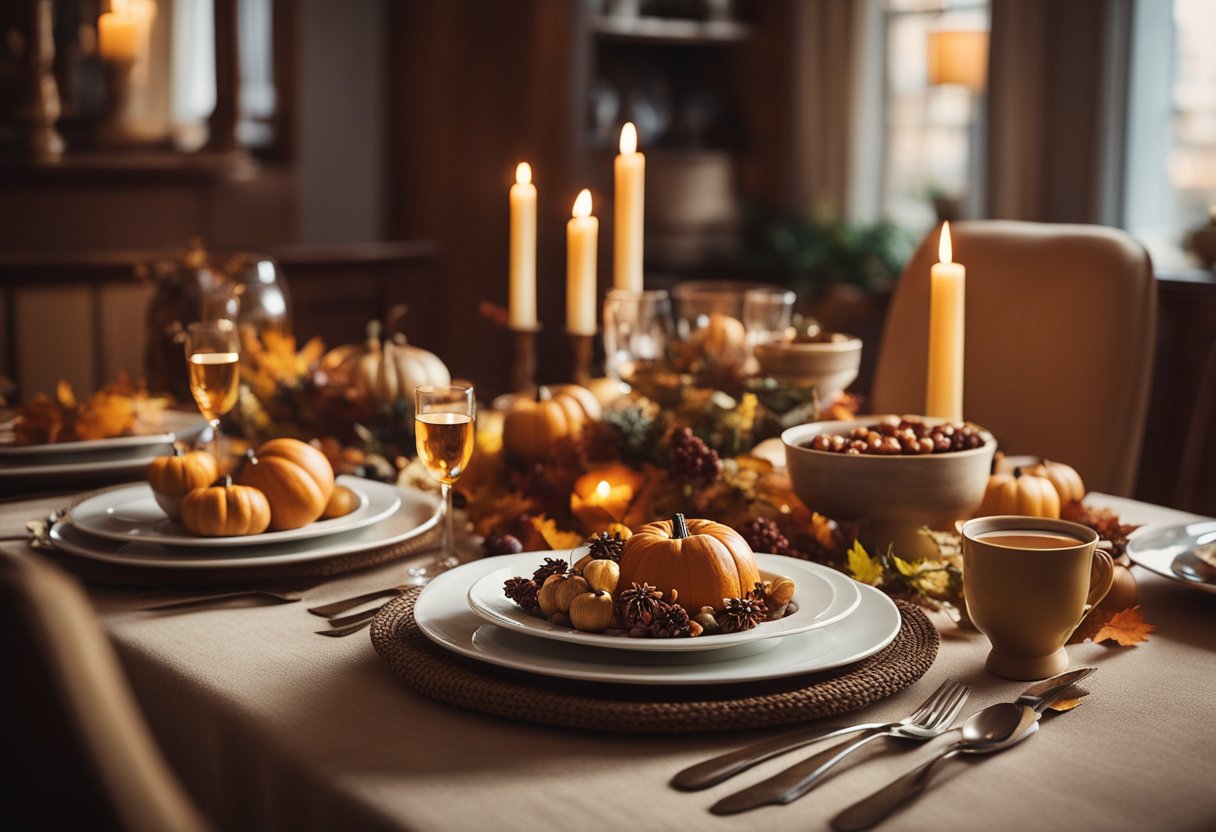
{"x": 434, "y": 672}
{"x": 123, "y": 575}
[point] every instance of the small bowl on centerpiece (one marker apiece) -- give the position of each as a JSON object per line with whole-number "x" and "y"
{"x": 830, "y": 365}
{"x": 893, "y": 495}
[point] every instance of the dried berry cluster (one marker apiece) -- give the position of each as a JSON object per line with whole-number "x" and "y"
{"x": 907, "y": 436}
{"x": 691, "y": 459}
{"x": 764, "y": 535}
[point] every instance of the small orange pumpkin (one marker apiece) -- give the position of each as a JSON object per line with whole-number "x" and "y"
{"x": 1020, "y": 493}
{"x": 172, "y": 477}
{"x": 296, "y": 478}
{"x": 532, "y": 426}
{"x": 1067, "y": 481}
{"x": 341, "y": 503}
{"x": 225, "y": 510}
{"x": 703, "y": 561}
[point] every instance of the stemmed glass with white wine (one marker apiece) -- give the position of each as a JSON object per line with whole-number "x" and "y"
{"x": 213, "y": 353}
{"x": 444, "y": 420}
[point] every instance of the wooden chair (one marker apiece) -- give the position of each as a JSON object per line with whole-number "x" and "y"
{"x": 77, "y": 753}
{"x": 1060, "y": 326}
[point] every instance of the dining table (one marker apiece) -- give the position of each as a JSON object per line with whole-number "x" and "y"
{"x": 271, "y": 726}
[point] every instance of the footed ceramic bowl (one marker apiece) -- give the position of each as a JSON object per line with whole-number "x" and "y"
{"x": 893, "y": 496}
{"x": 830, "y": 366}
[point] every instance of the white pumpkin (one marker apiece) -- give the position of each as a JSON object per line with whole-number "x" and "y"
{"x": 402, "y": 367}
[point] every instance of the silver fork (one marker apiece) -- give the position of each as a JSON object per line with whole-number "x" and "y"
{"x": 714, "y": 771}
{"x": 334, "y": 607}
{"x": 350, "y": 624}
{"x": 929, "y": 721}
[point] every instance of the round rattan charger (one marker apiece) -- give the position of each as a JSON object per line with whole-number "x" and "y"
{"x": 434, "y": 672}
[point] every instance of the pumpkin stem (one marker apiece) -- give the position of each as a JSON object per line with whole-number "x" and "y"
{"x": 679, "y": 528}
{"x": 543, "y": 394}
{"x": 223, "y": 482}
{"x": 1017, "y": 473}
{"x": 373, "y": 331}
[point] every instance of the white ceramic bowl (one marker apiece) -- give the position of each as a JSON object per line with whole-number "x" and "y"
{"x": 830, "y": 366}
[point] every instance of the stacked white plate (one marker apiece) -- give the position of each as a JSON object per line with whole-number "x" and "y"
{"x": 838, "y": 622}
{"x": 71, "y": 462}
{"x": 124, "y": 525}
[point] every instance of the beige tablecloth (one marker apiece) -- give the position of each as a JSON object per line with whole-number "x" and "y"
{"x": 273, "y": 727}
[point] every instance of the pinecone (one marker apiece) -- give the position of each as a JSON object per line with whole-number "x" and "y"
{"x": 605, "y": 547}
{"x": 522, "y": 591}
{"x": 637, "y": 428}
{"x": 763, "y": 535}
{"x": 691, "y": 459}
{"x": 637, "y": 606}
{"x": 551, "y": 566}
{"x": 670, "y": 621}
{"x": 500, "y": 543}
{"x": 742, "y": 613}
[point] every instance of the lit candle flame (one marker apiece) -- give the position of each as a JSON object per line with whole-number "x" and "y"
{"x": 603, "y": 490}
{"x": 582, "y": 205}
{"x": 629, "y": 138}
{"x": 944, "y": 250}
{"x": 523, "y": 173}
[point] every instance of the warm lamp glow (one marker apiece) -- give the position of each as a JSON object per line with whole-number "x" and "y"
{"x": 958, "y": 56}
{"x": 582, "y": 205}
{"x": 629, "y": 138}
{"x": 523, "y": 173}
{"x": 945, "y": 251}
{"x": 603, "y": 490}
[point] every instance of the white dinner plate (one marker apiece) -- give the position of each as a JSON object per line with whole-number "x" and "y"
{"x": 130, "y": 513}
{"x": 442, "y": 613}
{"x": 418, "y": 513}
{"x": 1155, "y": 547}
{"x": 69, "y": 470}
{"x": 823, "y": 595}
{"x": 168, "y": 426}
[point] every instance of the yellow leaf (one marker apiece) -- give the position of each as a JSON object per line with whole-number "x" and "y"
{"x": 1126, "y": 628}
{"x": 906, "y": 569}
{"x": 863, "y": 567}
{"x": 555, "y": 537}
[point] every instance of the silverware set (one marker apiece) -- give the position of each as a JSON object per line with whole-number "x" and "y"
{"x": 990, "y": 730}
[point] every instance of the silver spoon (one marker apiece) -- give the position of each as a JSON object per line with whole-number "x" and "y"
{"x": 1191, "y": 567}
{"x": 995, "y": 728}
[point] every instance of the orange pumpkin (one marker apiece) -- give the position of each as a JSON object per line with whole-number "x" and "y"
{"x": 225, "y": 510}
{"x": 341, "y": 503}
{"x": 533, "y": 425}
{"x": 1065, "y": 478}
{"x": 172, "y": 477}
{"x": 295, "y": 477}
{"x": 703, "y": 561}
{"x": 1020, "y": 493}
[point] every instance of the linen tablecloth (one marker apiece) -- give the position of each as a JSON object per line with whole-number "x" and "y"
{"x": 273, "y": 727}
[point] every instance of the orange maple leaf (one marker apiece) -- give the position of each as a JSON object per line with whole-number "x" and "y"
{"x": 1126, "y": 628}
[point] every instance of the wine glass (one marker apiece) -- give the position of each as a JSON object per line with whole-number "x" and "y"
{"x": 213, "y": 352}
{"x": 443, "y": 429}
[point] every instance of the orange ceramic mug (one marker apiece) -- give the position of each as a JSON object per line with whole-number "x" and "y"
{"x": 1029, "y": 583}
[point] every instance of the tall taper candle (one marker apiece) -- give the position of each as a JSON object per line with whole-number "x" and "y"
{"x": 944, "y": 391}
{"x": 521, "y": 306}
{"x": 629, "y": 198}
{"x": 582, "y": 236}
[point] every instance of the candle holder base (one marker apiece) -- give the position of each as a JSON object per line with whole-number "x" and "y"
{"x": 523, "y": 360}
{"x": 583, "y": 349}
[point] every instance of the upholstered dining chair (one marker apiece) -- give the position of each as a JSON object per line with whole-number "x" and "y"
{"x": 1059, "y": 341}
{"x": 76, "y": 751}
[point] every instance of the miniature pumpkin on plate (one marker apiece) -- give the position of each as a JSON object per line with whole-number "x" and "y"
{"x": 172, "y": 477}
{"x": 225, "y": 510}
{"x": 703, "y": 561}
{"x": 296, "y": 478}
{"x": 1020, "y": 493}
{"x": 533, "y": 425}
{"x": 341, "y": 503}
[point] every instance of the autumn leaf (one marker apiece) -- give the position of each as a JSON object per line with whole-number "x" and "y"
{"x": 864, "y": 568}
{"x": 1126, "y": 628}
{"x": 555, "y": 537}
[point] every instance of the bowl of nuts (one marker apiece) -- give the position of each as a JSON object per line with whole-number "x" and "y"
{"x": 894, "y": 474}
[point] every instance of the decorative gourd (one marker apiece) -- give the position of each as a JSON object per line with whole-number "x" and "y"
{"x": 723, "y": 340}
{"x": 592, "y": 611}
{"x": 558, "y": 591}
{"x": 1020, "y": 493}
{"x": 1065, "y": 478}
{"x": 602, "y": 574}
{"x": 384, "y": 371}
{"x": 225, "y": 510}
{"x": 703, "y": 561}
{"x": 533, "y": 425}
{"x": 295, "y": 477}
{"x": 341, "y": 503}
{"x": 172, "y": 477}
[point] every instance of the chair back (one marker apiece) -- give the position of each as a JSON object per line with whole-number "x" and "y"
{"x": 77, "y": 753}
{"x": 1059, "y": 341}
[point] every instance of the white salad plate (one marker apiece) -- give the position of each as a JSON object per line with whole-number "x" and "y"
{"x": 823, "y": 595}
{"x": 168, "y": 426}
{"x": 443, "y": 615}
{"x": 416, "y": 514}
{"x": 1156, "y": 547}
{"x": 130, "y": 513}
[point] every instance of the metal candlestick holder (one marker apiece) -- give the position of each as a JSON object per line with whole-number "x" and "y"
{"x": 583, "y": 349}
{"x": 523, "y": 360}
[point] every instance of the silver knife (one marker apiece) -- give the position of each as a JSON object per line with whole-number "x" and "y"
{"x": 711, "y": 772}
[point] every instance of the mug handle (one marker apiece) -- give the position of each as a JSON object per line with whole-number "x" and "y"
{"x": 1101, "y": 579}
